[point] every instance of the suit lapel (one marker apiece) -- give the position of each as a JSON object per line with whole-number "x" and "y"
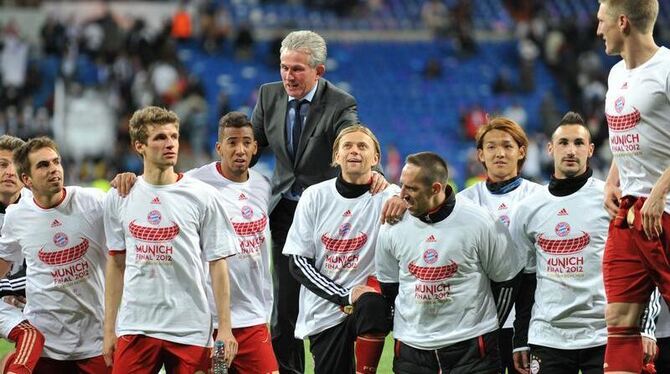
{"x": 280, "y": 109}
{"x": 316, "y": 109}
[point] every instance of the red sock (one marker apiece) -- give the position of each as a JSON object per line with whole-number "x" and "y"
{"x": 624, "y": 350}
{"x": 29, "y": 343}
{"x": 368, "y": 353}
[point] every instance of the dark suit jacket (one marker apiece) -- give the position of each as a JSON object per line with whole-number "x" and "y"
{"x": 330, "y": 111}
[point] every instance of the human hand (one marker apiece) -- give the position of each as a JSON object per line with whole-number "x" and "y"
{"x": 379, "y": 183}
{"x": 393, "y": 210}
{"x": 612, "y": 198}
{"x": 123, "y": 182}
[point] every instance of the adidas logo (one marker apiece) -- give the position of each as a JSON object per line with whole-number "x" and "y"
{"x": 431, "y": 239}
{"x": 502, "y": 206}
{"x": 625, "y": 85}
{"x": 155, "y": 200}
{"x": 242, "y": 197}
{"x": 347, "y": 213}
{"x": 56, "y": 223}
{"x": 563, "y": 212}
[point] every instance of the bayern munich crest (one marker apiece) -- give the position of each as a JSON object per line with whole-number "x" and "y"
{"x": 60, "y": 239}
{"x": 247, "y": 212}
{"x": 619, "y": 104}
{"x": 504, "y": 219}
{"x": 562, "y": 229}
{"x": 430, "y": 256}
{"x": 154, "y": 217}
{"x": 345, "y": 228}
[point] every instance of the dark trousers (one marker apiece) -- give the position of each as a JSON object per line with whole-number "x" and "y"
{"x": 506, "y": 345}
{"x": 290, "y": 352}
{"x": 333, "y": 348}
{"x": 567, "y": 361}
{"x": 663, "y": 359}
{"x": 473, "y": 356}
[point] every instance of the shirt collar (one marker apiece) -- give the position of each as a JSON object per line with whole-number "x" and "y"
{"x": 310, "y": 94}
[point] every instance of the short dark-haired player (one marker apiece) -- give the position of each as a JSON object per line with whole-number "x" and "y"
{"x": 446, "y": 268}
{"x": 563, "y": 227}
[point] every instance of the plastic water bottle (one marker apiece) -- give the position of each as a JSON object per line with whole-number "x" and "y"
{"x": 218, "y": 359}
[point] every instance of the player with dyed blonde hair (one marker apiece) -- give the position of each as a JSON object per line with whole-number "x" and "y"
{"x": 501, "y": 148}
{"x": 330, "y": 246}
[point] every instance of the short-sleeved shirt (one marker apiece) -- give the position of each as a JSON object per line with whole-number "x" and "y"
{"x": 444, "y": 270}
{"x": 637, "y": 107}
{"x": 166, "y": 231}
{"x": 64, "y": 249}
{"x": 566, "y": 234}
{"x": 501, "y": 206}
{"x": 246, "y": 204}
{"x": 339, "y": 234}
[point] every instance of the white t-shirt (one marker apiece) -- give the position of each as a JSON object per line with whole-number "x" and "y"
{"x": 444, "y": 270}
{"x": 340, "y": 235}
{"x": 567, "y": 235}
{"x": 250, "y": 278}
{"x": 10, "y": 317}
{"x": 65, "y": 254}
{"x": 637, "y": 107}
{"x": 501, "y": 206}
{"x": 166, "y": 231}
{"x": 17, "y": 265}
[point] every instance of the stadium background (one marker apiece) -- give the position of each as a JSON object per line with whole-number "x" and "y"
{"x": 425, "y": 73}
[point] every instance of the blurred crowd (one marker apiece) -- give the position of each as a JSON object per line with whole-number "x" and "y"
{"x": 125, "y": 63}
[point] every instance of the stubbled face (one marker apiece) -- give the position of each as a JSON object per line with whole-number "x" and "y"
{"x": 297, "y": 75}
{"x": 501, "y": 154}
{"x": 236, "y": 148}
{"x": 10, "y": 184}
{"x": 418, "y": 196}
{"x": 356, "y": 155}
{"x": 571, "y": 149}
{"x": 162, "y": 146}
{"x": 608, "y": 29}
{"x": 46, "y": 172}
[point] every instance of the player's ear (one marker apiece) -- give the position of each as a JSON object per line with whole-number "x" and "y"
{"x": 25, "y": 179}
{"x": 436, "y": 187}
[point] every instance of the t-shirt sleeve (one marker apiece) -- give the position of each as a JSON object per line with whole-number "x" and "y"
{"x": 300, "y": 238}
{"x": 387, "y": 264}
{"x": 217, "y": 236}
{"x": 518, "y": 227}
{"x": 10, "y": 249}
{"x": 10, "y": 317}
{"x": 500, "y": 258}
{"x": 114, "y": 233}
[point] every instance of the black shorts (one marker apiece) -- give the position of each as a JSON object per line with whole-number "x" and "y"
{"x": 333, "y": 349}
{"x": 545, "y": 360}
{"x": 479, "y": 355}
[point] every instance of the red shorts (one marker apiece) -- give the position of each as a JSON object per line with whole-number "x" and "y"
{"x": 29, "y": 342}
{"x": 143, "y": 354}
{"x": 255, "y": 353}
{"x": 93, "y": 365}
{"x": 633, "y": 265}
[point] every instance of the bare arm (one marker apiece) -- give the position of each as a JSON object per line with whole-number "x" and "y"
{"x": 652, "y": 210}
{"x": 4, "y": 267}
{"x": 116, "y": 267}
{"x": 612, "y": 190}
{"x": 221, "y": 288}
